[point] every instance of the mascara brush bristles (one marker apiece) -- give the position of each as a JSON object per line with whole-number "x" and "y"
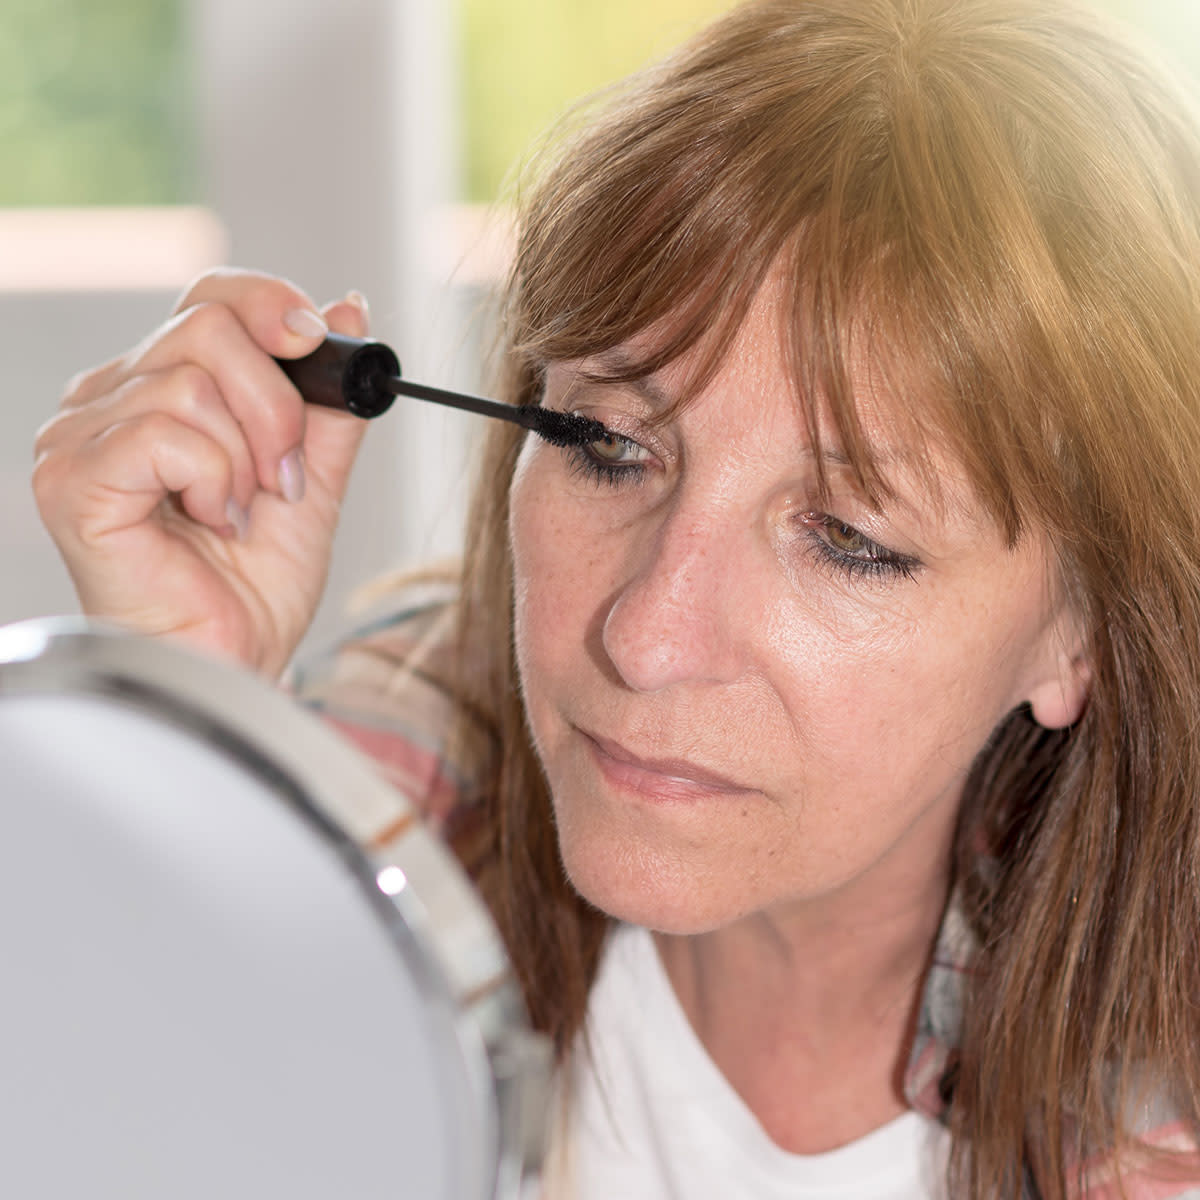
{"x": 558, "y": 428}
{"x": 562, "y": 428}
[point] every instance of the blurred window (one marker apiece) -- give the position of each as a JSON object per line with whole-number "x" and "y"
{"x": 94, "y": 103}
{"x": 523, "y": 62}
{"x": 98, "y": 148}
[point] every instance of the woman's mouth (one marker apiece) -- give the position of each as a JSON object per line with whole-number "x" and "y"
{"x": 657, "y": 778}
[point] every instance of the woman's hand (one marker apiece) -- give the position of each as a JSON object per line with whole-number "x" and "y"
{"x": 189, "y": 489}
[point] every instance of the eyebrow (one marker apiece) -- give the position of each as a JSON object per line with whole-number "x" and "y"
{"x": 619, "y": 368}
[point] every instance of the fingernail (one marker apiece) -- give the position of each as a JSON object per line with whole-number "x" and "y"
{"x": 237, "y": 517}
{"x": 305, "y": 322}
{"x": 291, "y": 476}
{"x": 360, "y": 302}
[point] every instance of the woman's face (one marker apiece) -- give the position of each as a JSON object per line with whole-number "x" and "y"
{"x": 747, "y": 700}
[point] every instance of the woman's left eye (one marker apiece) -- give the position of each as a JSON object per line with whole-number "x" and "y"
{"x": 613, "y": 460}
{"x": 851, "y": 551}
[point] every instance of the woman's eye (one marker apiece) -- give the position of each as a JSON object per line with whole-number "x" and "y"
{"x": 847, "y": 539}
{"x": 612, "y": 449}
{"x": 851, "y": 551}
{"x": 612, "y": 460}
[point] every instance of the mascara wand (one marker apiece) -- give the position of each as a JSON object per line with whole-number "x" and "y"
{"x": 362, "y": 376}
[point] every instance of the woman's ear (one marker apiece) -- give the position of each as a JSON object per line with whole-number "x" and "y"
{"x": 1060, "y": 695}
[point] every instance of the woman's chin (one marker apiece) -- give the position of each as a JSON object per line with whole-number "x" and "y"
{"x": 646, "y": 889}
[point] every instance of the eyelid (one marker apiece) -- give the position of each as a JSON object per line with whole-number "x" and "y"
{"x": 616, "y": 404}
{"x": 881, "y": 560}
{"x": 621, "y": 443}
{"x": 629, "y": 428}
{"x": 584, "y": 460}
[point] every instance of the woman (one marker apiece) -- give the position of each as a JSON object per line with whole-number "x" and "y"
{"x": 860, "y": 666}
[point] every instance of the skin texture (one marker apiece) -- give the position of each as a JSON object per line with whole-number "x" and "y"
{"x": 756, "y": 725}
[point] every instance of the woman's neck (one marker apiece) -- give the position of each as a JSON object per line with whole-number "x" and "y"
{"x": 810, "y": 1014}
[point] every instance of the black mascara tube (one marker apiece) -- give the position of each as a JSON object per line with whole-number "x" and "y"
{"x": 347, "y": 373}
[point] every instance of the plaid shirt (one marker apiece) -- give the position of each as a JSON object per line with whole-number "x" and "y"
{"x": 382, "y": 690}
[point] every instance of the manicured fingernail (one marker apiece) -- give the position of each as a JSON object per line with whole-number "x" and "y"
{"x": 238, "y": 518}
{"x": 305, "y": 322}
{"x": 360, "y": 302}
{"x": 291, "y": 476}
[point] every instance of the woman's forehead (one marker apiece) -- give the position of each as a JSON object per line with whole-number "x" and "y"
{"x": 916, "y": 469}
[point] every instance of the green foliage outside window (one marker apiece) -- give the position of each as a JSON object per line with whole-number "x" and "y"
{"x": 94, "y": 103}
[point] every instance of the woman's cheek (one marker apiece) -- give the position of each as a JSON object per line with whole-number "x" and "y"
{"x": 547, "y": 551}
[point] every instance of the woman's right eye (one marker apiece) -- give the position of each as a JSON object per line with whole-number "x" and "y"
{"x": 614, "y": 460}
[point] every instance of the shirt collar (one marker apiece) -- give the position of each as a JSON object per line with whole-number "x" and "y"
{"x": 933, "y": 1063}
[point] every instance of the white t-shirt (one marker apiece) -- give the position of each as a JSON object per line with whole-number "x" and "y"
{"x": 652, "y": 1118}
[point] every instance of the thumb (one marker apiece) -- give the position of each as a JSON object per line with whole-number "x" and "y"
{"x": 332, "y": 438}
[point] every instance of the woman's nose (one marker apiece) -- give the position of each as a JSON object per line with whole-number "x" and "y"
{"x": 683, "y": 612}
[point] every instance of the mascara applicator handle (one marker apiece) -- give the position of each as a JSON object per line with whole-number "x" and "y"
{"x": 346, "y": 373}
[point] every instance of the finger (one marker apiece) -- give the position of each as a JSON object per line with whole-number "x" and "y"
{"x": 131, "y": 468}
{"x": 186, "y": 392}
{"x": 350, "y": 315}
{"x": 86, "y": 386}
{"x": 278, "y": 315}
{"x": 262, "y": 400}
{"x": 333, "y": 437}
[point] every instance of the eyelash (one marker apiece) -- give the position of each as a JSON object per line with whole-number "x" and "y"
{"x": 876, "y": 562}
{"x": 584, "y": 462}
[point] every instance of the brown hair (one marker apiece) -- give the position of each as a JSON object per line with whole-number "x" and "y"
{"x": 1002, "y": 198}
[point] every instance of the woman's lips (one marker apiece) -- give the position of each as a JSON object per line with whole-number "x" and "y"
{"x": 662, "y": 778}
